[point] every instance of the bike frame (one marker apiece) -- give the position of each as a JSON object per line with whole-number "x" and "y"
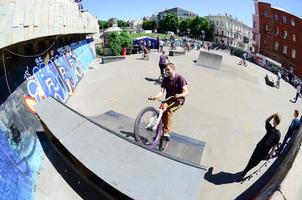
{"x": 159, "y": 119}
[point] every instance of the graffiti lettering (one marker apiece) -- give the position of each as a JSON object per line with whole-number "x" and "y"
{"x": 60, "y": 76}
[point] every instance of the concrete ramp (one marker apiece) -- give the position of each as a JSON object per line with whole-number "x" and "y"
{"x": 130, "y": 168}
{"x": 181, "y": 147}
{"x": 210, "y": 60}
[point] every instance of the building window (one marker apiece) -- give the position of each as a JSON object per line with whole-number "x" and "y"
{"x": 276, "y": 45}
{"x": 276, "y": 17}
{"x": 265, "y": 13}
{"x": 285, "y": 35}
{"x": 293, "y": 23}
{"x": 217, "y": 23}
{"x": 293, "y": 53}
{"x": 276, "y": 31}
{"x": 294, "y": 37}
{"x": 284, "y": 19}
{"x": 285, "y": 49}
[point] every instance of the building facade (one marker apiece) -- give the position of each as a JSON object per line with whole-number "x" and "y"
{"x": 278, "y": 35}
{"x": 179, "y": 12}
{"x": 136, "y": 26}
{"x": 231, "y": 31}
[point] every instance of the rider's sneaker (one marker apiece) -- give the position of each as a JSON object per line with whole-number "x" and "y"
{"x": 167, "y": 136}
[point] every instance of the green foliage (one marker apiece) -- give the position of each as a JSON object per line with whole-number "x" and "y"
{"x": 115, "y": 44}
{"x": 125, "y": 39}
{"x": 149, "y": 25}
{"x": 119, "y": 41}
{"x": 199, "y": 24}
{"x": 103, "y": 24}
{"x": 184, "y": 25}
{"x": 98, "y": 50}
{"x": 122, "y": 23}
{"x": 153, "y": 35}
{"x": 170, "y": 23}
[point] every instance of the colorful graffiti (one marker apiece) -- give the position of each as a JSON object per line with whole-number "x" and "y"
{"x": 59, "y": 77}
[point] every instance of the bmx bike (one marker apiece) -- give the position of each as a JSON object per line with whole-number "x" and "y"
{"x": 148, "y": 127}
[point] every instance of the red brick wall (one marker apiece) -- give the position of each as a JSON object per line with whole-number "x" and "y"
{"x": 268, "y": 37}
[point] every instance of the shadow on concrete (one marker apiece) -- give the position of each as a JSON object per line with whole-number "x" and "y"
{"x": 222, "y": 177}
{"x": 156, "y": 81}
{"x": 128, "y": 134}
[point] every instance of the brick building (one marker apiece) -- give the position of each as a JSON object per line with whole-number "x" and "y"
{"x": 278, "y": 35}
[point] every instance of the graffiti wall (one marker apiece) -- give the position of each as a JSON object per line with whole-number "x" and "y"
{"x": 20, "y": 150}
{"x": 61, "y": 74}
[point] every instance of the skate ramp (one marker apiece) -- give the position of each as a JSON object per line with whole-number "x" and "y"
{"x": 209, "y": 60}
{"x": 181, "y": 147}
{"x": 132, "y": 169}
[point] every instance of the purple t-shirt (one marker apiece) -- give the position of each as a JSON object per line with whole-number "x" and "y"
{"x": 174, "y": 86}
{"x": 163, "y": 59}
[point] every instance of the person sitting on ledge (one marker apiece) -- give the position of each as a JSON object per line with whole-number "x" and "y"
{"x": 267, "y": 145}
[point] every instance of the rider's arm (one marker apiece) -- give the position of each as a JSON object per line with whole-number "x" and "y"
{"x": 184, "y": 93}
{"x": 159, "y": 95}
{"x": 270, "y": 118}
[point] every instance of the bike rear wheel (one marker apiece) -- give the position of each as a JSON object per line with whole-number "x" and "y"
{"x": 144, "y": 127}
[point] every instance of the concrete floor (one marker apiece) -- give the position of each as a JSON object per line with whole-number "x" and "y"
{"x": 226, "y": 108}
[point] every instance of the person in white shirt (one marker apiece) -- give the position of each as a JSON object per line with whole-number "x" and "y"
{"x": 161, "y": 45}
{"x": 298, "y": 93}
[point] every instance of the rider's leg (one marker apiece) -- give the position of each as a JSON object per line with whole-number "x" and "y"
{"x": 170, "y": 107}
{"x": 162, "y": 68}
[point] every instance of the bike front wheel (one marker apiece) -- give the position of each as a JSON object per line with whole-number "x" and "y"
{"x": 146, "y": 129}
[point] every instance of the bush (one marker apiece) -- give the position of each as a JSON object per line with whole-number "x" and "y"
{"x": 115, "y": 44}
{"x": 119, "y": 41}
{"x": 126, "y": 41}
{"x": 98, "y": 50}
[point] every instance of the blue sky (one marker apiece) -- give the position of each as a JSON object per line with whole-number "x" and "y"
{"x": 135, "y": 9}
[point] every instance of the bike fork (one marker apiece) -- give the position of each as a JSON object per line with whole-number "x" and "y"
{"x": 149, "y": 126}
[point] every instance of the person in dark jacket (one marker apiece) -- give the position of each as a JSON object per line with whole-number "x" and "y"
{"x": 267, "y": 145}
{"x": 295, "y": 125}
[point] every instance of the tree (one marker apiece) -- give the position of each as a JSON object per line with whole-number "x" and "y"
{"x": 201, "y": 24}
{"x": 149, "y": 25}
{"x": 170, "y": 23}
{"x": 122, "y": 23}
{"x": 184, "y": 25}
{"x": 103, "y": 24}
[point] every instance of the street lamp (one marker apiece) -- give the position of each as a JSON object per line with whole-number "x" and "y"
{"x": 188, "y": 30}
{"x": 203, "y": 33}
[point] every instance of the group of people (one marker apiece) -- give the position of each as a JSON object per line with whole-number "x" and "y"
{"x": 175, "y": 85}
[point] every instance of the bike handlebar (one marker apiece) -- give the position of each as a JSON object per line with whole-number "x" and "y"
{"x": 162, "y": 101}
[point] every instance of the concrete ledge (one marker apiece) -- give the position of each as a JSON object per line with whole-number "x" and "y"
{"x": 108, "y": 59}
{"x": 176, "y": 53}
{"x": 210, "y": 60}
